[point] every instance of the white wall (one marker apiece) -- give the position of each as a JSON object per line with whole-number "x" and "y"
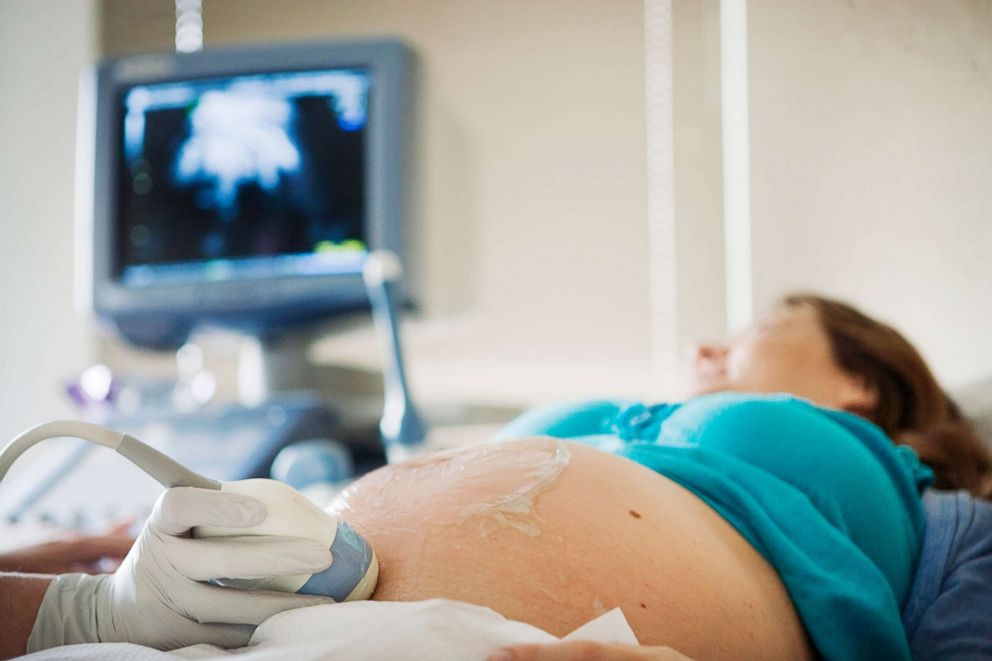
{"x": 870, "y": 161}
{"x": 44, "y": 44}
{"x": 871, "y": 164}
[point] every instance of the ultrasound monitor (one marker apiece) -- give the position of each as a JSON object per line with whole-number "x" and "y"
{"x": 241, "y": 187}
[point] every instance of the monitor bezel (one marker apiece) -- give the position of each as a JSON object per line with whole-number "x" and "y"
{"x": 163, "y": 315}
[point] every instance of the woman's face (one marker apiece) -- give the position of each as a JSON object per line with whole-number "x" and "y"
{"x": 784, "y": 351}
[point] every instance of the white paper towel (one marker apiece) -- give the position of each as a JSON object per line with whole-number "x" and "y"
{"x": 435, "y": 629}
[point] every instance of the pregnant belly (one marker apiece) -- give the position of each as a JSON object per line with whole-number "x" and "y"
{"x": 553, "y": 533}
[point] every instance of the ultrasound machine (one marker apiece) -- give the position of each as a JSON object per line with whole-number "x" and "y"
{"x": 244, "y": 189}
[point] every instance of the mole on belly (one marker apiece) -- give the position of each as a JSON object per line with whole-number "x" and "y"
{"x": 635, "y": 514}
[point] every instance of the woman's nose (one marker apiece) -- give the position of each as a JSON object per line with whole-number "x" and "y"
{"x": 709, "y": 357}
{"x": 709, "y": 352}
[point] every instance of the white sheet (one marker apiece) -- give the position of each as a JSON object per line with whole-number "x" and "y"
{"x": 436, "y": 629}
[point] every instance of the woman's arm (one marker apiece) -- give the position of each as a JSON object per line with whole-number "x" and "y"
{"x": 20, "y": 597}
{"x": 83, "y": 553}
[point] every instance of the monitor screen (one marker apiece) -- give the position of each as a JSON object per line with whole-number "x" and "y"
{"x": 251, "y": 176}
{"x": 241, "y": 187}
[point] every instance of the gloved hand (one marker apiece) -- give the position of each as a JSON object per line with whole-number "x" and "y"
{"x": 158, "y": 598}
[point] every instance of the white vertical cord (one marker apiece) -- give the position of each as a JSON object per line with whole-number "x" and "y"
{"x": 83, "y": 197}
{"x": 189, "y": 26}
{"x": 663, "y": 290}
{"x": 736, "y": 162}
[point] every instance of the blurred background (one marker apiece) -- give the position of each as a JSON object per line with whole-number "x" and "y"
{"x": 570, "y": 227}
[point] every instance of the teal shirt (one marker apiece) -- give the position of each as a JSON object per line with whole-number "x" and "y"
{"x": 825, "y": 496}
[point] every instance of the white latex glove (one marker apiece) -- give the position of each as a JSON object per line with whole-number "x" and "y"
{"x": 157, "y": 597}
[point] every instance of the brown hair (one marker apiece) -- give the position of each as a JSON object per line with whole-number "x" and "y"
{"x": 911, "y": 406}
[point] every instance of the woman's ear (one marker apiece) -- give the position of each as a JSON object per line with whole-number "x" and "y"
{"x": 858, "y": 395}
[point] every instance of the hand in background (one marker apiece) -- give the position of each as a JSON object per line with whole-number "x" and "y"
{"x": 71, "y": 552}
{"x": 586, "y": 651}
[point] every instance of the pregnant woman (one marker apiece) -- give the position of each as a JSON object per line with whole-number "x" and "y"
{"x": 743, "y": 527}
{"x": 741, "y": 524}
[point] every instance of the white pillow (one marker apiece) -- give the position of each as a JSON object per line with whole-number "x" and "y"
{"x": 975, "y": 401}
